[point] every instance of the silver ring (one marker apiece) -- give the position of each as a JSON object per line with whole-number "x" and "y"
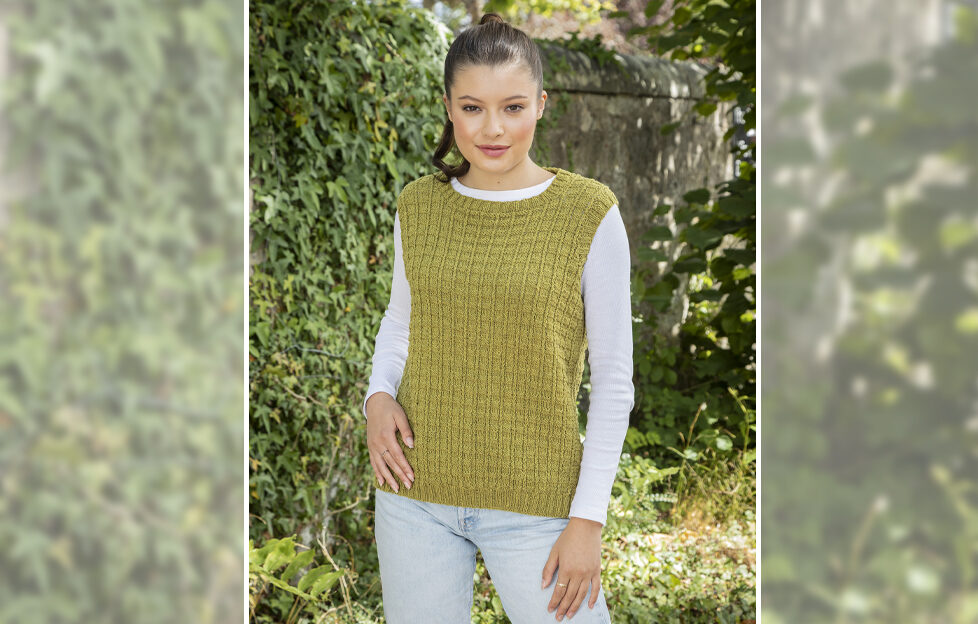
{"x": 385, "y": 451}
{"x": 561, "y": 584}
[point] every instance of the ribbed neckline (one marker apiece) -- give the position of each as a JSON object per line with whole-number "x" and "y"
{"x": 502, "y": 195}
{"x": 526, "y": 204}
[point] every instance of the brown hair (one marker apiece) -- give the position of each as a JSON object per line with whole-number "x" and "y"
{"x": 491, "y": 42}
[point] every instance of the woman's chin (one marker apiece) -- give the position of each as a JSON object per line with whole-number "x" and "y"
{"x": 489, "y": 164}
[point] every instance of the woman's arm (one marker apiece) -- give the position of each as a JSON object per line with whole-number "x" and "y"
{"x": 391, "y": 344}
{"x": 605, "y": 287}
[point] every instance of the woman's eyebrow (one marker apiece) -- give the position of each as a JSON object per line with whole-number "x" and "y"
{"x": 512, "y": 97}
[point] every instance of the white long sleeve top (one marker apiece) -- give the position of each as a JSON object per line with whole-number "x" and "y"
{"x": 605, "y": 284}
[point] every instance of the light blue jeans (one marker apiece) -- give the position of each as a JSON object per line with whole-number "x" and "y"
{"x": 427, "y": 562}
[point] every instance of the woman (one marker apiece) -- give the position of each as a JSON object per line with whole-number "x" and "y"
{"x": 504, "y": 272}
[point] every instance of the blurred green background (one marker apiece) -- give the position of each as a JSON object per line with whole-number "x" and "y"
{"x": 870, "y": 315}
{"x": 122, "y": 318}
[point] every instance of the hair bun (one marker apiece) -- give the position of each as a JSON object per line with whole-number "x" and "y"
{"x": 491, "y": 17}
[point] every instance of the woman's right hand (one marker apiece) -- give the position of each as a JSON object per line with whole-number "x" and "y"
{"x": 385, "y": 417}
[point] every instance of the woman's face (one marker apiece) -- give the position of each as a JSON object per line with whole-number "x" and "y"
{"x": 494, "y": 107}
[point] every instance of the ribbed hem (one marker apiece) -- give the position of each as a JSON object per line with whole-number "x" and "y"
{"x": 546, "y": 503}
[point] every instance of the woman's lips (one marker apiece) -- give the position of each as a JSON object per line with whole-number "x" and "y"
{"x": 488, "y": 151}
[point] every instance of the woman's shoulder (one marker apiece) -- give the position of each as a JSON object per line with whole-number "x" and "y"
{"x": 419, "y": 196}
{"x": 419, "y": 185}
{"x": 595, "y": 189}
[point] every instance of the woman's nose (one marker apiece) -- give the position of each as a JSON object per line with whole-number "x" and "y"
{"x": 493, "y": 127}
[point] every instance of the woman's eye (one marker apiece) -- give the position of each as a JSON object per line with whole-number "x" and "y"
{"x": 518, "y": 107}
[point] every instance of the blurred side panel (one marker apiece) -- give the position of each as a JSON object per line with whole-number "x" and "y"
{"x": 121, "y": 311}
{"x": 869, "y": 311}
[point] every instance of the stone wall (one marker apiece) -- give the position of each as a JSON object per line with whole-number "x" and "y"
{"x": 608, "y": 129}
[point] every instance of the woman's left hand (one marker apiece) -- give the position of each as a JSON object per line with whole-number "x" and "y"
{"x": 577, "y": 553}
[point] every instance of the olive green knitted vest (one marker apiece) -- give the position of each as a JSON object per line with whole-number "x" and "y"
{"x": 496, "y": 342}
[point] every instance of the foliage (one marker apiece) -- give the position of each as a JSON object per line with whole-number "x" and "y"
{"x": 343, "y": 103}
{"x": 345, "y": 109}
{"x": 584, "y": 11}
{"x": 654, "y": 571}
{"x": 264, "y": 565}
{"x": 720, "y": 487}
{"x": 120, "y": 363}
{"x": 698, "y": 392}
{"x": 711, "y": 369}
{"x": 592, "y": 47}
{"x": 719, "y": 31}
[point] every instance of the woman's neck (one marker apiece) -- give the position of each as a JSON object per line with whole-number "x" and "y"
{"x": 511, "y": 180}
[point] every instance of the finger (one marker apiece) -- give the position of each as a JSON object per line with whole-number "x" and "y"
{"x": 595, "y": 590}
{"x": 579, "y": 598}
{"x": 400, "y": 419}
{"x": 388, "y": 477}
{"x": 397, "y": 465}
{"x": 400, "y": 462}
{"x": 573, "y": 586}
{"x": 558, "y": 595}
{"x": 548, "y": 570}
{"x": 373, "y": 464}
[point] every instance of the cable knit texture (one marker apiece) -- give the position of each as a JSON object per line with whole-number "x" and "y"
{"x": 497, "y": 344}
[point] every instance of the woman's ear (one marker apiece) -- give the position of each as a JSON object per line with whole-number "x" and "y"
{"x": 444, "y": 98}
{"x": 543, "y": 99}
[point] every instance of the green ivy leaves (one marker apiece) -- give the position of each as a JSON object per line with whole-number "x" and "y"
{"x": 708, "y": 250}
{"x": 265, "y": 562}
{"x": 345, "y": 107}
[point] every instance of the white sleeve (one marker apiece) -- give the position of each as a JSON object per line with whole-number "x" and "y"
{"x": 605, "y": 286}
{"x": 391, "y": 344}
